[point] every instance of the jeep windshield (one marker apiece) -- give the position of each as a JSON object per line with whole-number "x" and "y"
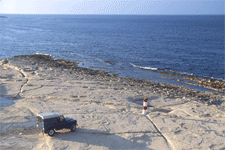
{"x": 61, "y": 118}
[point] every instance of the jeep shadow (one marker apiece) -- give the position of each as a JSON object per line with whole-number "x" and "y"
{"x": 89, "y": 137}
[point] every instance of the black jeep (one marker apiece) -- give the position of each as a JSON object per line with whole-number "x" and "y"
{"x": 49, "y": 122}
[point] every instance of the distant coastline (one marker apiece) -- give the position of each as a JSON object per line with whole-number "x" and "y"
{"x": 3, "y": 17}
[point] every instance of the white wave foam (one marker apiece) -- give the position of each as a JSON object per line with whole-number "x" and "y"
{"x": 186, "y": 73}
{"x": 42, "y": 54}
{"x": 145, "y": 68}
{"x": 97, "y": 59}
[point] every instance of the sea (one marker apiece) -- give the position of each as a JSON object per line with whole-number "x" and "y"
{"x": 127, "y": 45}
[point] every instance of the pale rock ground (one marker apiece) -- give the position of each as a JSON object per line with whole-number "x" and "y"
{"x": 109, "y": 113}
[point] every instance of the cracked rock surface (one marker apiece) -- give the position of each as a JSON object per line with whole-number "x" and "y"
{"x": 108, "y": 110}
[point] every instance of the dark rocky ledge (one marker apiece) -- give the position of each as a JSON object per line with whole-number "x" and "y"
{"x": 213, "y": 84}
{"x": 163, "y": 89}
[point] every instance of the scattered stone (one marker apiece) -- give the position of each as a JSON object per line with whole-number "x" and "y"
{"x": 167, "y": 90}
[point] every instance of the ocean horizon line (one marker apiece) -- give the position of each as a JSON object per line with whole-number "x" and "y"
{"x": 120, "y": 14}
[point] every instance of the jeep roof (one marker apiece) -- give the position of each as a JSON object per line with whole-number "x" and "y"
{"x": 49, "y": 115}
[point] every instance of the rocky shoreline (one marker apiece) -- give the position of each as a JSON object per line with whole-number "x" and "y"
{"x": 108, "y": 108}
{"x": 213, "y": 84}
{"x": 163, "y": 89}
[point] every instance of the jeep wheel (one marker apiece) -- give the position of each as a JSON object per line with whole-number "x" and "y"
{"x": 51, "y": 132}
{"x": 73, "y": 128}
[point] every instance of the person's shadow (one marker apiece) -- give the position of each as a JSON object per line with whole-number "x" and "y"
{"x": 103, "y": 139}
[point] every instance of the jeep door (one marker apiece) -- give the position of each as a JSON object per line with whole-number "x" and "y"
{"x": 62, "y": 123}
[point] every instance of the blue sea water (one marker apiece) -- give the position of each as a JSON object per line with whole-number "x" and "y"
{"x": 127, "y": 45}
